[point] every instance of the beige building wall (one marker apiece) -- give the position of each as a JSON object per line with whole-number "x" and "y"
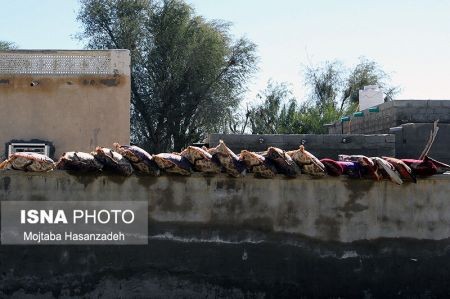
{"x": 73, "y": 99}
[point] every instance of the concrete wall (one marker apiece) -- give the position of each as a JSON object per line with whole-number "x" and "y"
{"x": 322, "y": 146}
{"x": 220, "y": 237}
{"x": 74, "y": 99}
{"x": 336, "y": 209}
{"x": 410, "y": 140}
{"x": 410, "y": 121}
{"x": 395, "y": 113}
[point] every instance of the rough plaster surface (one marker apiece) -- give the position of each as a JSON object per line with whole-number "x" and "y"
{"x": 329, "y": 209}
{"x": 218, "y": 237}
{"x": 74, "y": 112}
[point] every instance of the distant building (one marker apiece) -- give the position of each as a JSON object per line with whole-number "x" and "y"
{"x": 57, "y": 101}
{"x": 370, "y": 96}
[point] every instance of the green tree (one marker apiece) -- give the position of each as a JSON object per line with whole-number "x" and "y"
{"x": 334, "y": 91}
{"x": 277, "y": 112}
{"x": 366, "y": 72}
{"x": 187, "y": 73}
{"x": 324, "y": 83}
{"x": 313, "y": 117}
{"x": 4, "y": 45}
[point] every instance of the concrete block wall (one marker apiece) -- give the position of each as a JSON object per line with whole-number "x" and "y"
{"x": 410, "y": 140}
{"x": 370, "y": 123}
{"x": 394, "y": 113}
{"x": 426, "y": 111}
{"x": 323, "y": 146}
{"x": 410, "y": 121}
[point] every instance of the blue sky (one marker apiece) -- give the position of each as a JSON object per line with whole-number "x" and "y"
{"x": 410, "y": 39}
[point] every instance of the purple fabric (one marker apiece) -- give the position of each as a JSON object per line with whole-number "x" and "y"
{"x": 352, "y": 169}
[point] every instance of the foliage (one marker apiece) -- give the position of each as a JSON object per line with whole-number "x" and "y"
{"x": 366, "y": 72}
{"x": 332, "y": 92}
{"x": 313, "y": 117}
{"x": 187, "y": 73}
{"x": 5, "y": 45}
{"x": 276, "y": 114}
{"x": 324, "y": 83}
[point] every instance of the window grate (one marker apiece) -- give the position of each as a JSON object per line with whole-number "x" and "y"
{"x": 40, "y": 148}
